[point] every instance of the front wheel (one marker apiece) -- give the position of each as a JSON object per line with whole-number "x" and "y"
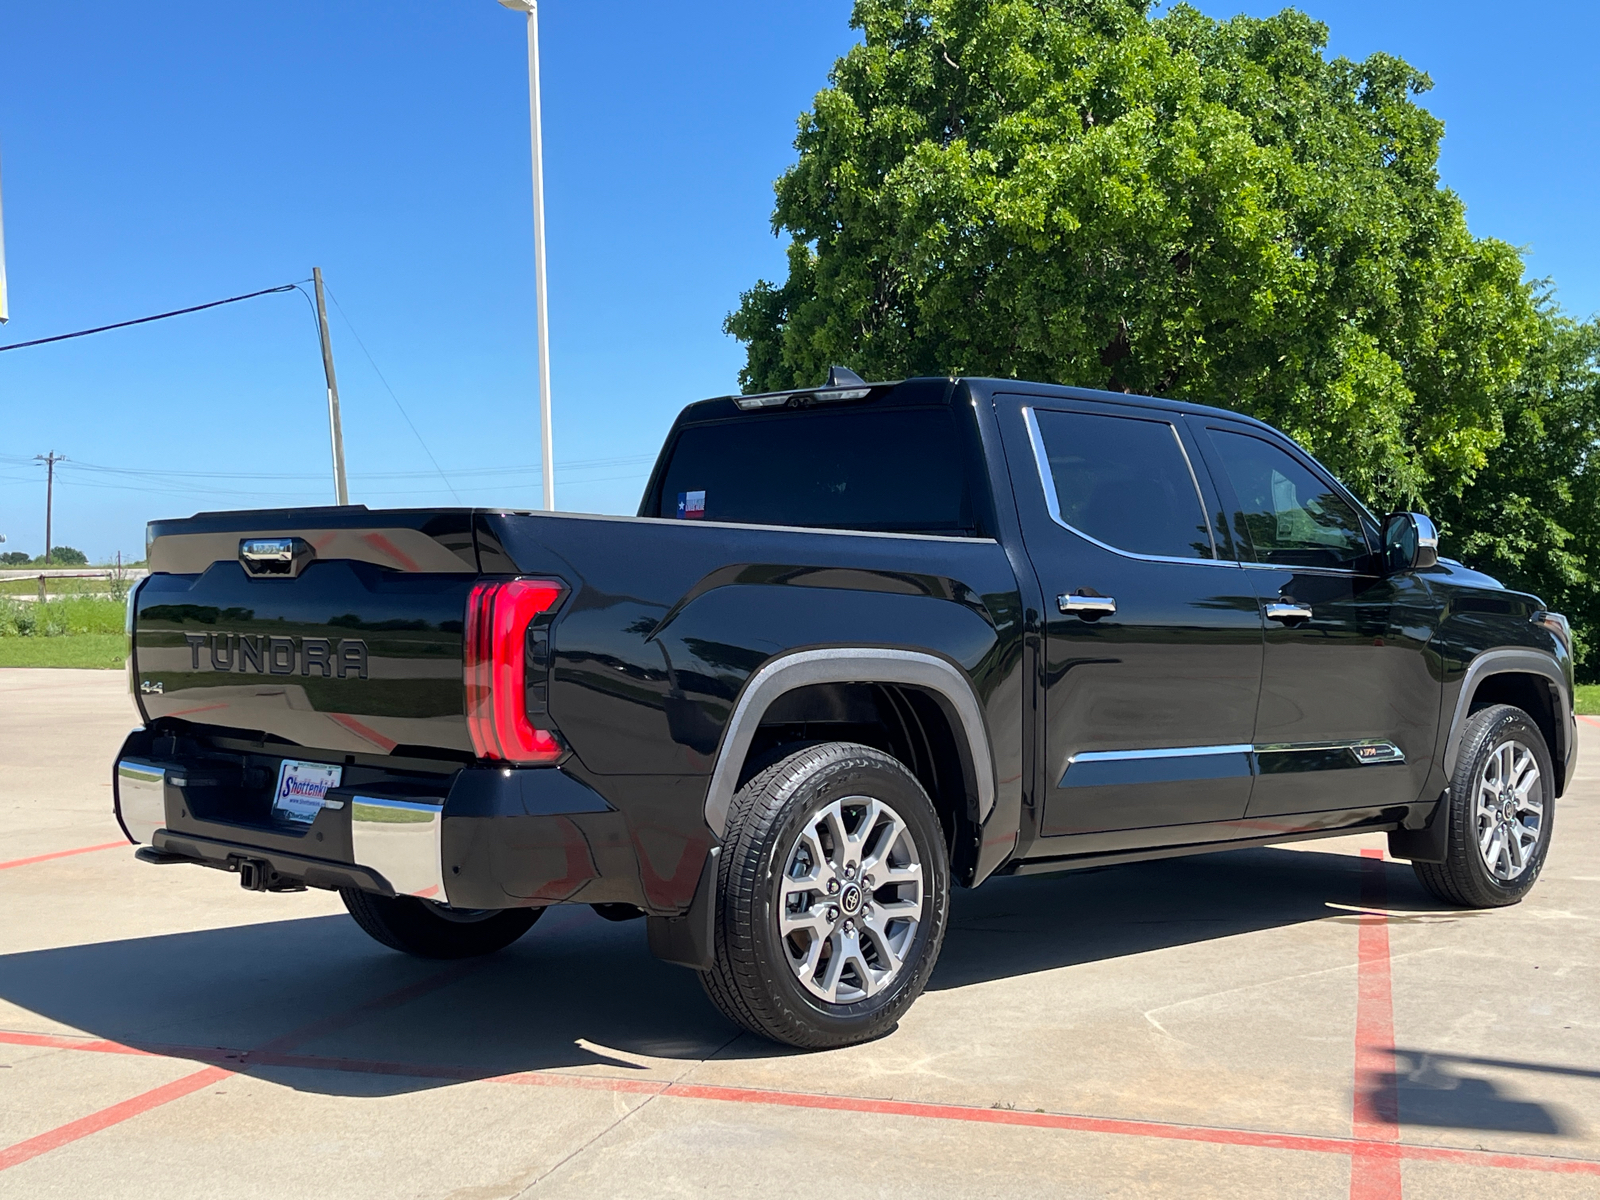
{"x": 832, "y": 898}
{"x": 430, "y": 930}
{"x": 1500, "y": 806}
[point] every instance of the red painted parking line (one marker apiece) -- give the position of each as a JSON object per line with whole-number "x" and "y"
{"x": 51, "y": 1041}
{"x": 63, "y": 1134}
{"x": 115, "y": 1114}
{"x": 1375, "y": 1116}
{"x": 1152, "y": 1129}
{"x": 1591, "y": 720}
{"x": 1169, "y": 1131}
{"x": 366, "y": 732}
{"x": 39, "y": 858}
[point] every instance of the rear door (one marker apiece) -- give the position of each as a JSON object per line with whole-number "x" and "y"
{"x": 1349, "y": 706}
{"x": 1153, "y": 642}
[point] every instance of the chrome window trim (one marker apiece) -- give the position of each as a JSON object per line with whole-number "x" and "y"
{"x": 1052, "y": 502}
{"x": 1296, "y": 570}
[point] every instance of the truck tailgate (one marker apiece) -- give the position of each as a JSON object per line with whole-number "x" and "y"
{"x": 347, "y": 654}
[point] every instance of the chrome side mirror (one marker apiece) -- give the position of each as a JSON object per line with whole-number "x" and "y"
{"x": 1410, "y": 542}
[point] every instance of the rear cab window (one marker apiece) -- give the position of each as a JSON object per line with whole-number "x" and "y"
{"x": 875, "y": 467}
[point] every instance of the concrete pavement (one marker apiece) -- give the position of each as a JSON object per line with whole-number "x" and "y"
{"x": 1286, "y": 1021}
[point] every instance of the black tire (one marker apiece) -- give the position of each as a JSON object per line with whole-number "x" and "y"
{"x": 426, "y": 930}
{"x": 753, "y": 979}
{"x": 1465, "y": 879}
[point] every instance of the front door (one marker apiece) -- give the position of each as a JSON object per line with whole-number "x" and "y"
{"x": 1153, "y": 640}
{"x": 1349, "y": 708}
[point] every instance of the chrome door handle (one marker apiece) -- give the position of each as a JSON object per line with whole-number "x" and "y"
{"x": 1090, "y": 608}
{"x": 1287, "y": 612}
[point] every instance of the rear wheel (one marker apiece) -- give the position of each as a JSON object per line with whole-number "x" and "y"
{"x": 1500, "y": 806}
{"x": 430, "y": 930}
{"x": 832, "y": 898}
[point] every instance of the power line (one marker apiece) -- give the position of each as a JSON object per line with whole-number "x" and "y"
{"x": 177, "y": 312}
{"x": 588, "y": 464}
{"x": 349, "y": 324}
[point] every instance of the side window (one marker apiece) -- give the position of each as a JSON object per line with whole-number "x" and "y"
{"x": 1124, "y": 481}
{"x": 1288, "y": 516}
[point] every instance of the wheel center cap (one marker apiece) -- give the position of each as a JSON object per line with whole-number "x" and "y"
{"x": 1508, "y": 810}
{"x": 850, "y": 900}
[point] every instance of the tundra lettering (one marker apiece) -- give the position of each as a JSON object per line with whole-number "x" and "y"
{"x": 260, "y": 654}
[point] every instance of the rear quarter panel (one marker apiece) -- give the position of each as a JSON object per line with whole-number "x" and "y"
{"x": 668, "y": 619}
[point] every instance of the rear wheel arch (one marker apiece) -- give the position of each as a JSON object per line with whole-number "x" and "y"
{"x": 924, "y": 706}
{"x": 911, "y": 725}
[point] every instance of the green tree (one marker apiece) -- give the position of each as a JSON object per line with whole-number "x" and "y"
{"x": 1532, "y": 515}
{"x": 1072, "y": 191}
{"x": 66, "y": 556}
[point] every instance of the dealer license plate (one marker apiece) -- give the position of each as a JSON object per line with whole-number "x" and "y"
{"x": 302, "y": 786}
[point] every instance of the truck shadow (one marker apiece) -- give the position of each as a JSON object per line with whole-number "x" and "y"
{"x": 1016, "y": 926}
{"x": 315, "y": 1005}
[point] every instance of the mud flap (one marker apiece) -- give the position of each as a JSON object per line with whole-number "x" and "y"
{"x": 686, "y": 940}
{"x": 1428, "y": 844}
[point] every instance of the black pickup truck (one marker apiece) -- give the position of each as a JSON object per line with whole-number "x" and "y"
{"x": 862, "y": 643}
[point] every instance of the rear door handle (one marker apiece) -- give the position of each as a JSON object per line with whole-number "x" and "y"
{"x": 1090, "y": 608}
{"x": 1286, "y": 612}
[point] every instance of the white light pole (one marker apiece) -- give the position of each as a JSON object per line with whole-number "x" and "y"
{"x": 5, "y": 312}
{"x": 546, "y": 430}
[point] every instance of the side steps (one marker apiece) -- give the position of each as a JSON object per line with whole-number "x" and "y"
{"x": 149, "y": 854}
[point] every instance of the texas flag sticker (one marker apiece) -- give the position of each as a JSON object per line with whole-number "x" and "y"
{"x": 691, "y": 506}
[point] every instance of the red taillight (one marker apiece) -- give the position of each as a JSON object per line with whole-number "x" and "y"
{"x": 498, "y": 616}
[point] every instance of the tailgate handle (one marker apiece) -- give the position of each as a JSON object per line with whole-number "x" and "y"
{"x": 275, "y": 556}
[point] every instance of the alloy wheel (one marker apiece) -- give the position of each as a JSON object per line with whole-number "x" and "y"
{"x": 850, "y": 899}
{"x": 1510, "y": 810}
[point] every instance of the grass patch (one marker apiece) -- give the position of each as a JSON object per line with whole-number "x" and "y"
{"x": 103, "y": 650}
{"x": 83, "y": 631}
{"x": 57, "y": 586}
{"x": 1588, "y": 699}
{"x": 67, "y": 617}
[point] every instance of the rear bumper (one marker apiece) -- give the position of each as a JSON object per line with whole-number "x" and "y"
{"x": 481, "y": 838}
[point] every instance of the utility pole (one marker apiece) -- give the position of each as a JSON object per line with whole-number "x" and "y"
{"x": 340, "y": 490}
{"x": 546, "y": 429}
{"x": 49, "y": 460}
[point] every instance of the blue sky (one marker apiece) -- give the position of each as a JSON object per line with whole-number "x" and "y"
{"x": 156, "y": 157}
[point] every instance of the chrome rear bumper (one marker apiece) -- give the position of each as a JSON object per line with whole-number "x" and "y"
{"x": 139, "y": 793}
{"x": 400, "y": 841}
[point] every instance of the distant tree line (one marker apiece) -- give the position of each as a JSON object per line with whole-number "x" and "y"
{"x": 1078, "y": 192}
{"x": 60, "y": 556}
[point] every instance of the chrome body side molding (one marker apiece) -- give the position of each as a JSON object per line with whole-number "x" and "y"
{"x": 1504, "y": 662}
{"x": 1177, "y": 764}
{"x": 846, "y": 664}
